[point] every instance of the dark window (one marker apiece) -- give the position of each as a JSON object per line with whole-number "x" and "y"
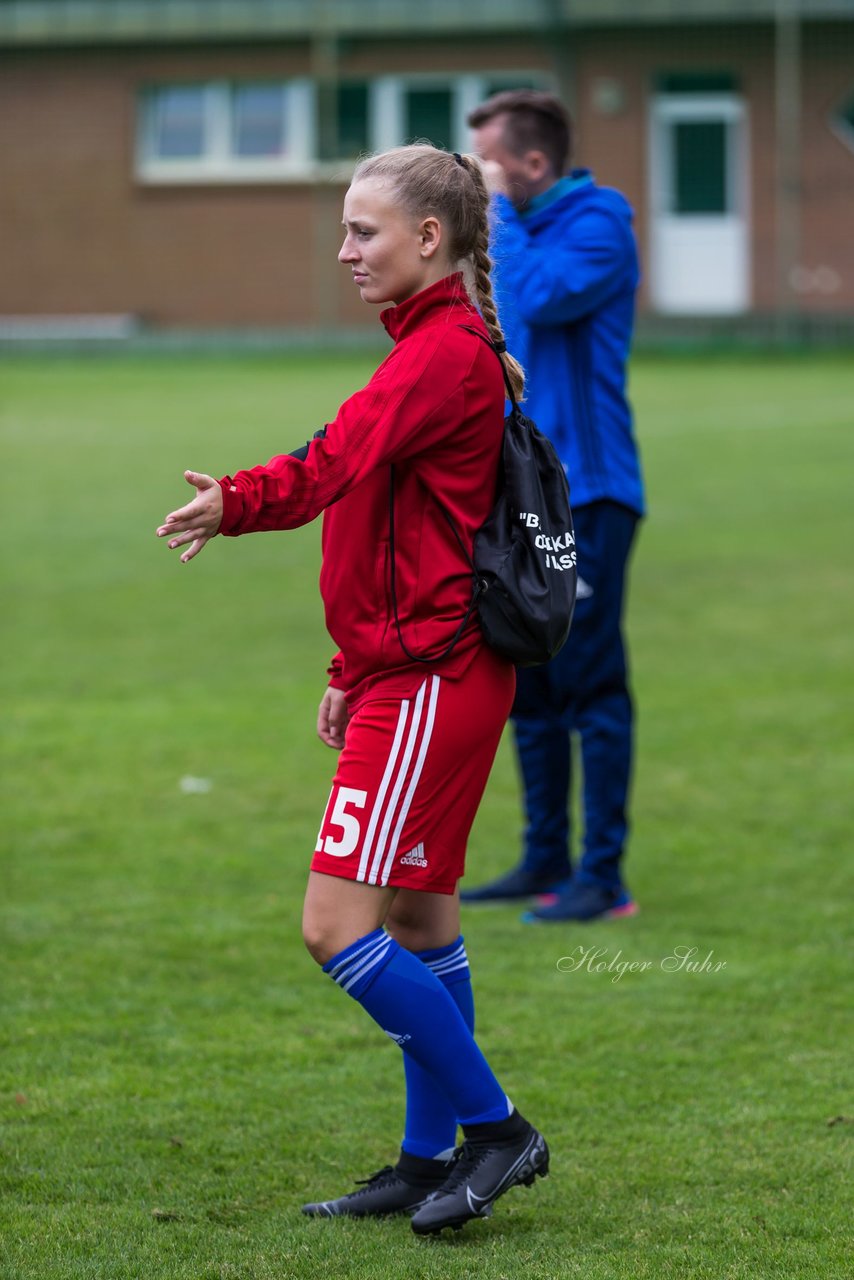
{"x": 342, "y": 126}
{"x": 501, "y": 86}
{"x": 352, "y": 120}
{"x": 696, "y": 82}
{"x": 429, "y": 115}
{"x": 699, "y": 167}
{"x": 845, "y": 114}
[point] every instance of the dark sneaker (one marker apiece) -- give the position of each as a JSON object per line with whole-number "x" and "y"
{"x": 583, "y": 902}
{"x": 482, "y": 1172}
{"x": 399, "y": 1189}
{"x": 518, "y": 883}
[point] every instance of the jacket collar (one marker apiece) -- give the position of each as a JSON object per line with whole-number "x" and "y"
{"x": 563, "y": 187}
{"x": 426, "y": 305}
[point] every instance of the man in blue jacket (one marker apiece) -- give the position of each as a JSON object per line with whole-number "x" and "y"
{"x": 566, "y": 276}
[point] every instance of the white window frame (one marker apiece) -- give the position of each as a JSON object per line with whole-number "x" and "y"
{"x": 387, "y": 101}
{"x": 736, "y": 221}
{"x": 724, "y": 108}
{"x": 218, "y": 162}
{"x": 386, "y": 124}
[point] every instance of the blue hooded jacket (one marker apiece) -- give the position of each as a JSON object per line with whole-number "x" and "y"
{"x": 566, "y": 272}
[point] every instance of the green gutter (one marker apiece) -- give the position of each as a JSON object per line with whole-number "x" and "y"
{"x": 110, "y": 22}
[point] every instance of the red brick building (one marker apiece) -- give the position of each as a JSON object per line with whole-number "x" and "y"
{"x": 183, "y": 161}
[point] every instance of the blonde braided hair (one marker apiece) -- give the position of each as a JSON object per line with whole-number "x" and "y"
{"x": 451, "y": 187}
{"x": 482, "y": 264}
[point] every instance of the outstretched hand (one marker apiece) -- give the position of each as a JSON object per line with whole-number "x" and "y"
{"x": 199, "y": 521}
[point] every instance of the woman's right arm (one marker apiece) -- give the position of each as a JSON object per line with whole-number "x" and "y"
{"x": 393, "y": 416}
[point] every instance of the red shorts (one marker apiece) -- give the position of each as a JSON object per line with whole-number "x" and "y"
{"x": 411, "y": 776}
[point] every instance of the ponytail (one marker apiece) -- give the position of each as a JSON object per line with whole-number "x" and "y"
{"x": 482, "y": 264}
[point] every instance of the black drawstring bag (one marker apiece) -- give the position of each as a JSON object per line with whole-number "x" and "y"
{"x": 523, "y": 563}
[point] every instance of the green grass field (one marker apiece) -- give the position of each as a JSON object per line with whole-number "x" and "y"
{"x": 176, "y": 1077}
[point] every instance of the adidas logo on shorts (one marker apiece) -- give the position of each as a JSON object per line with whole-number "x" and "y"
{"x": 415, "y": 857}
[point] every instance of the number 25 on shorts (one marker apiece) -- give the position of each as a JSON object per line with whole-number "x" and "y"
{"x": 338, "y": 814}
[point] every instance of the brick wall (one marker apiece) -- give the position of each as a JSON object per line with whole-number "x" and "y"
{"x": 80, "y": 234}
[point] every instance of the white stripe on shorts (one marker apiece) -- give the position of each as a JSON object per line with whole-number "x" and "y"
{"x": 416, "y": 774}
{"x": 388, "y": 815}
{"x": 378, "y": 803}
{"x": 377, "y": 863}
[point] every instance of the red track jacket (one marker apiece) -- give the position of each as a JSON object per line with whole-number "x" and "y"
{"x": 435, "y": 409}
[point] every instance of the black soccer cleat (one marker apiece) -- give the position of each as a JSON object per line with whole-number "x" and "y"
{"x": 483, "y": 1171}
{"x": 401, "y": 1188}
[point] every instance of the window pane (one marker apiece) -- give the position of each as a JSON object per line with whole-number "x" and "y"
{"x": 179, "y": 123}
{"x": 503, "y": 86}
{"x": 352, "y": 119}
{"x": 699, "y": 156}
{"x": 258, "y": 120}
{"x": 348, "y": 136}
{"x": 845, "y": 113}
{"x": 696, "y": 82}
{"x": 428, "y": 115}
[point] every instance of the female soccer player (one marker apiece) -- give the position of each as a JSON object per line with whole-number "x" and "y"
{"x": 417, "y": 725}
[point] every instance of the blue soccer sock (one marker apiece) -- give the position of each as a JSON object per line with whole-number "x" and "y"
{"x": 411, "y": 1005}
{"x": 431, "y": 1120}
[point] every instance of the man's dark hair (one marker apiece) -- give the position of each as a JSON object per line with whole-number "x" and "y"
{"x": 534, "y": 121}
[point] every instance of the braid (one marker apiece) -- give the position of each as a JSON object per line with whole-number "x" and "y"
{"x": 482, "y": 265}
